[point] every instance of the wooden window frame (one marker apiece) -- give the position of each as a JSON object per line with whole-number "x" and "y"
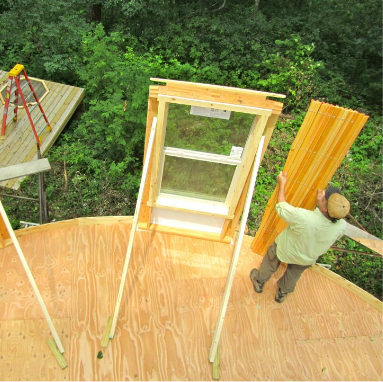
{"x": 223, "y": 209}
{"x": 218, "y": 97}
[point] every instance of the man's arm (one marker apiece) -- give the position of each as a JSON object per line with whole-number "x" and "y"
{"x": 282, "y": 179}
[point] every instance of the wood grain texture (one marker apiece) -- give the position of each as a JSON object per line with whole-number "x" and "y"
{"x": 172, "y": 298}
{"x": 322, "y": 142}
{"x": 24, "y": 355}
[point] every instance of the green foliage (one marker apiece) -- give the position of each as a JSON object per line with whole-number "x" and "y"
{"x": 363, "y": 270}
{"x": 290, "y": 71}
{"x": 43, "y": 35}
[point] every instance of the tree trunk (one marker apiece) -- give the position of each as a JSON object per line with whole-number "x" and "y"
{"x": 96, "y": 12}
{"x": 256, "y": 6}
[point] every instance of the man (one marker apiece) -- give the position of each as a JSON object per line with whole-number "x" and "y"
{"x": 309, "y": 234}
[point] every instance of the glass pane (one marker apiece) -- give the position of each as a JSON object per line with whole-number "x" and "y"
{"x": 207, "y": 134}
{"x": 196, "y": 179}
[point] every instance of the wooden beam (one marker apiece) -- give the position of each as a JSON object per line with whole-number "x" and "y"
{"x": 216, "y": 366}
{"x": 235, "y": 258}
{"x": 215, "y": 105}
{"x": 134, "y": 227}
{"x": 186, "y": 233}
{"x": 23, "y": 169}
{"x": 158, "y": 155}
{"x": 145, "y": 210}
{"x": 218, "y": 87}
{"x": 364, "y": 238}
{"x": 243, "y": 170}
{"x": 202, "y": 156}
{"x": 59, "y": 357}
{"x": 31, "y": 278}
{"x": 221, "y": 95}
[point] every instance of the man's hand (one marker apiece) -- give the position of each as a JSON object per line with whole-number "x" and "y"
{"x": 321, "y": 194}
{"x": 282, "y": 178}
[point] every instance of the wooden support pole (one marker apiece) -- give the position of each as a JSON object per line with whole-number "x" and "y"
{"x": 60, "y": 358}
{"x": 216, "y": 366}
{"x": 133, "y": 228}
{"x": 31, "y": 278}
{"x": 237, "y": 249}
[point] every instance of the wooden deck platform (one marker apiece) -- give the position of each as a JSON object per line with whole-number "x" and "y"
{"x": 19, "y": 145}
{"x": 169, "y": 311}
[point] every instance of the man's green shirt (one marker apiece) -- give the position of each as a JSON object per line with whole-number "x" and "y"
{"x": 309, "y": 234}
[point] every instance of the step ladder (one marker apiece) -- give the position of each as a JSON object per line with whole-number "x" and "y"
{"x": 14, "y": 91}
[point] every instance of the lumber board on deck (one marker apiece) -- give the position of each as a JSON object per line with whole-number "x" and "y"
{"x": 175, "y": 288}
{"x": 19, "y": 145}
{"x": 363, "y": 237}
{"x": 24, "y": 169}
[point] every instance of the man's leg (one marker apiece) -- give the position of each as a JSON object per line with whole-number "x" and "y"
{"x": 287, "y": 283}
{"x": 270, "y": 264}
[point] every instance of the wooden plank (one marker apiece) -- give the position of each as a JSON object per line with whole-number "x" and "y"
{"x": 237, "y": 249}
{"x": 241, "y": 204}
{"x": 322, "y": 142}
{"x": 236, "y": 98}
{"x": 364, "y": 238}
{"x": 4, "y": 234}
{"x": 60, "y": 358}
{"x": 201, "y": 156}
{"x": 31, "y": 279}
{"x": 243, "y": 170}
{"x": 145, "y": 210}
{"x": 185, "y": 232}
{"x": 269, "y": 128}
{"x": 134, "y": 227}
{"x": 296, "y": 187}
{"x": 219, "y": 87}
{"x": 214, "y": 105}
{"x": 24, "y": 169}
{"x": 105, "y": 338}
{"x": 155, "y": 177}
{"x": 201, "y": 206}
{"x": 216, "y": 366}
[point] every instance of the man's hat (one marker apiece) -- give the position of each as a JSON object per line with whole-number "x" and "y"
{"x": 337, "y": 205}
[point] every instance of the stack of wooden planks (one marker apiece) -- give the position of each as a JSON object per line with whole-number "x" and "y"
{"x": 322, "y": 142}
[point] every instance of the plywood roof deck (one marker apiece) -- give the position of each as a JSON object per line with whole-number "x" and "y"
{"x": 19, "y": 145}
{"x": 171, "y": 303}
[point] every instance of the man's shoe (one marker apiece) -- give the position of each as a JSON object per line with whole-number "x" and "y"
{"x": 280, "y": 296}
{"x": 258, "y": 287}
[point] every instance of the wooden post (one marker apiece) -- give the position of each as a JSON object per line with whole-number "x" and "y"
{"x": 134, "y": 226}
{"x": 237, "y": 249}
{"x": 31, "y": 278}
